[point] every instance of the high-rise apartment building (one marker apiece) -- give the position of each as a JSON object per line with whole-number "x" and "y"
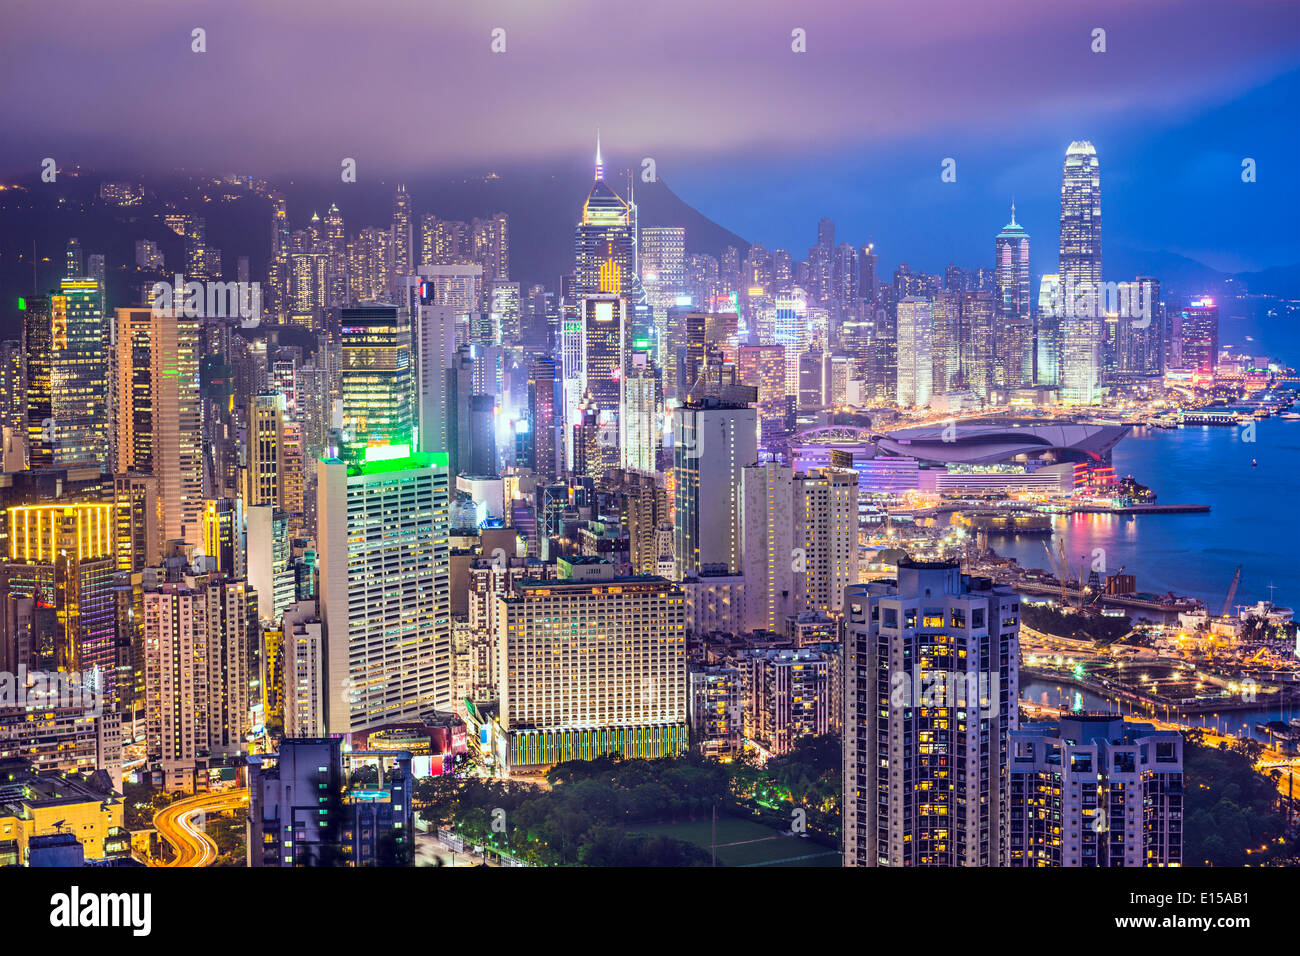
{"x": 931, "y": 678}
{"x": 1095, "y": 790}
{"x": 915, "y": 363}
{"x": 1015, "y": 331}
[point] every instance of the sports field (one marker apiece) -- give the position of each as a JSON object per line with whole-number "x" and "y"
{"x": 745, "y": 843}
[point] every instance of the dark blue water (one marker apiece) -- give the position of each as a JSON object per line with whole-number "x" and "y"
{"x": 1239, "y": 723}
{"x": 1254, "y": 517}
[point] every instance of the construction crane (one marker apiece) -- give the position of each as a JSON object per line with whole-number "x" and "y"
{"x": 1096, "y": 597}
{"x": 1232, "y": 592}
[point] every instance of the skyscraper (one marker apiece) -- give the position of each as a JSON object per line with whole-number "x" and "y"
{"x": 936, "y": 659}
{"x": 915, "y": 363}
{"x": 1200, "y": 335}
{"x": 377, "y": 388}
{"x": 1015, "y": 345}
{"x": 1080, "y": 276}
{"x": 158, "y": 407}
{"x": 606, "y": 231}
{"x": 384, "y": 586}
{"x": 713, "y": 439}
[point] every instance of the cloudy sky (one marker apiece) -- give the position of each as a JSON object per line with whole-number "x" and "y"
{"x": 761, "y": 138}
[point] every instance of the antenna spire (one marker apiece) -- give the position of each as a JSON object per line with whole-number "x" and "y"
{"x": 600, "y": 165}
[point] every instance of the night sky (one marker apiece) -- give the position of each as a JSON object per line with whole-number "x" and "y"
{"x": 760, "y": 138}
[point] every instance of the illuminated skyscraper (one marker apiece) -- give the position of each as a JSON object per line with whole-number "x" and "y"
{"x": 915, "y": 363}
{"x": 377, "y": 388}
{"x": 1015, "y": 342}
{"x": 384, "y": 587}
{"x": 266, "y": 471}
{"x": 606, "y": 231}
{"x": 640, "y": 427}
{"x": 66, "y": 342}
{"x": 1048, "y": 324}
{"x": 1200, "y": 335}
{"x": 545, "y": 406}
{"x": 712, "y": 441}
{"x": 763, "y": 366}
{"x": 1080, "y": 276}
{"x": 402, "y": 235}
{"x": 936, "y": 659}
{"x": 158, "y": 409}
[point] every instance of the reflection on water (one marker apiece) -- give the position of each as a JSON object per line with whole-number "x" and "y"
{"x": 1236, "y": 722}
{"x": 1253, "y": 519}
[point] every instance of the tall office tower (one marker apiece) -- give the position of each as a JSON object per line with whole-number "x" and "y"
{"x": 403, "y": 235}
{"x": 769, "y": 537}
{"x": 335, "y": 247}
{"x": 812, "y": 378}
{"x": 713, "y": 439}
{"x": 931, "y": 664}
{"x": 197, "y": 669}
{"x": 435, "y": 348}
{"x": 867, "y": 271}
{"x": 1080, "y": 276}
{"x": 606, "y": 231}
{"x": 787, "y": 695}
{"x": 265, "y": 473}
{"x": 503, "y": 311}
{"x": 138, "y": 526}
{"x": 369, "y": 265}
{"x": 615, "y": 686}
{"x": 1048, "y": 324}
{"x": 1095, "y": 790}
{"x": 1200, "y": 335}
{"x": 385, "y": 592}
{"x": 490, "y": 244}
{"x": 270, "y": 574}
{"x": 979, "y": 330}
{"x": 38, "y": 339}
{"x": 304, "y": 671}
{"x": 65, "y": 340}
{"x": 950, "y": 354}
{"x": 640, "y": 428}
{"x": 223, "y": 536}
{"x": 13, "y": 405}
{"x": 915, "y": 364}
{"x": 763, "y": 367}
{"x": 545, "y": 417}
{"x": 1146, "y": 327}
{"x": 846, "y": 276}
{"x": 159, "y": 413}
{"x": 61, "y": 556}
{"x": 604, "y": 334}
{"x": 74, "y": 267}
{"x": 662, "y": 258}
{"x": 1015, "y": 342}
{"x": 377, "y": 387}
{"x": 789, "y": 325}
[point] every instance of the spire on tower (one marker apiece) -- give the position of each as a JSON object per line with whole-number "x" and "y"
{"x": 600, "y": 166}
{"x": 1013, "y": 212}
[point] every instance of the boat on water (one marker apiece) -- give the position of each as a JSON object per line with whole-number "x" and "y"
{"x": 1290, "y": 416}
